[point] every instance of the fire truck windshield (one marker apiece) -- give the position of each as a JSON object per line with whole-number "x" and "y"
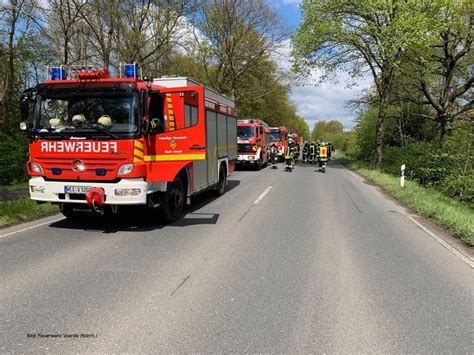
{"x": 245, "y": 132}
{"x": 275, "y": 136}
{"x": 85, "y": 114}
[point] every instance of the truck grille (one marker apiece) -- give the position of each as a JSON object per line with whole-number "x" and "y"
{"x": 64, "y": 167}
{"x": 245, "y": 148}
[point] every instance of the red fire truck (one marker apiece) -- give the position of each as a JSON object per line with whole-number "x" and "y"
{"x": 253, "y": 142}
{"x": 98, "y": 142}
{"x": 279, "y": 137}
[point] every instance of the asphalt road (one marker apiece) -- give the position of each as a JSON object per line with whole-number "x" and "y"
{"x": 316, "y": 263}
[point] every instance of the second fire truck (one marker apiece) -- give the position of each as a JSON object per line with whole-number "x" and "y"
{"x": 253, "y": 142}
{"x": 279, "y": 138}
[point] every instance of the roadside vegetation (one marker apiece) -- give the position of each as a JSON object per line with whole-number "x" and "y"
{"x": 229, "y": 46}
{"x": 22, "y": 210}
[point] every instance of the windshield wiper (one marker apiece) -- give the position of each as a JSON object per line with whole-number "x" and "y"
{"x": 97, "y": 127}
{"x": 52, "y": 133}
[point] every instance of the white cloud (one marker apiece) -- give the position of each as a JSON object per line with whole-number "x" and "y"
{"x": 326, "y": 101}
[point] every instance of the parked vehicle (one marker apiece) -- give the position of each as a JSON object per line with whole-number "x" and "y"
{"x": 253, "y": 142}
{"x": 98, "y": 143}
{"x": 279, "y": 136}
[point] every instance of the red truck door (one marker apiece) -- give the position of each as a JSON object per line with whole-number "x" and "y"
{"x": 178, "y": 134}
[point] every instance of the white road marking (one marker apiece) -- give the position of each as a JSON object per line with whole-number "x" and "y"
{"x": 262, "y": 195}
{"x": 31, "y": 227}
{"x": 442, "y": 242}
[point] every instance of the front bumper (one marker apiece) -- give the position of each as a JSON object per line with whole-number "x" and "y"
{"x": 54, "y": 191}
{"x": 247, "y": 158}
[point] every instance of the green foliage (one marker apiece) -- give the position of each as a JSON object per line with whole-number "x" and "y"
{"x": 332, "y": 131}
{"x": 23, "y": 209}
{"x": 323, "y": 131}
{"x": 13, "y": 158}
{"x": 449, "y": 167}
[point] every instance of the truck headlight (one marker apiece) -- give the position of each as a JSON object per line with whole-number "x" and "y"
{"x": 37, "y": 168}
{"x": 127, "y": 192}
{"x": 125, "y": 169}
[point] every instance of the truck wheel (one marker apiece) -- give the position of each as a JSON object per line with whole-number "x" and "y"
{"x": 173, "y": 201}
{"x": 222, "y": 184}
{"x": 259, "y": 164}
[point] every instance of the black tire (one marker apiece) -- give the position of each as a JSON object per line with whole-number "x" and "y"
{"x": 222, "y": 184}
{"x": 67, "y": 209}
{"x": 172, "y": 202}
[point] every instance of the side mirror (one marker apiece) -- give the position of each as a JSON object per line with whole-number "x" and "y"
{"x": 25, "y": 126}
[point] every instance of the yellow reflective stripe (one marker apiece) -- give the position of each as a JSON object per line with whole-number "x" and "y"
{"x": 139, "y": 144}
{"x": 137, "y": 160}
{"x": 138, "y": 153}
{"x": 170, "y": 112}
{"x": 172, "y": 157}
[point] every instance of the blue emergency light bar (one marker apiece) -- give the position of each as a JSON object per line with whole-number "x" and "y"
{"x": 131, "y": 70}
{"x": 58, "y": 73}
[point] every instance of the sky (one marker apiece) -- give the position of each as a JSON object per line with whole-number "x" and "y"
{"x": 327, "y": 101}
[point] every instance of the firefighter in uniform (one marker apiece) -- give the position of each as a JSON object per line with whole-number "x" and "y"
{"x": 305, "y": 155}
{"x": 322, "y": 152}
{"x": 274, "y": 156}
{"x": 312, "y": 152}
{"x": 290, "y": 155}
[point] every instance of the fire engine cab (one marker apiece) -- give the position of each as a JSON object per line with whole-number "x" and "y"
{"x": 98, "y": 142}
{"x": 279, "y": 138}
{"x": 253, "y": 142}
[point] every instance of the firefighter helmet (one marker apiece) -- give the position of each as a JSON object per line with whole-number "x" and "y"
{"x": 79, "y": 118}
{"x": 105, "y": 120}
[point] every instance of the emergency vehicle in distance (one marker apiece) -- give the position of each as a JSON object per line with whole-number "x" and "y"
{"x": 253, "y": 141}
{"x": 279, "y": 137}
{"x": 98, "y": 142}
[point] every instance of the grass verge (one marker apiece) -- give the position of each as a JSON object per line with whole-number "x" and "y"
{"x": 16, "y": 186}
{"x": 452, "y": 214}
{"x": 22, "y": 210}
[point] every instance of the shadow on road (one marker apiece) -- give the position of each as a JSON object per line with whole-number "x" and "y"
{"x": 249, "y": 167}
{"x": 141, "y": 219}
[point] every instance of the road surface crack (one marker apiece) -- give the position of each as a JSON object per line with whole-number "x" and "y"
{"x": 181, "y": 284}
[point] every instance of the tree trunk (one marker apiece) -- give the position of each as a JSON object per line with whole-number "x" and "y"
{"x": 380, "y": 130}
{"x": 442, "y": 122}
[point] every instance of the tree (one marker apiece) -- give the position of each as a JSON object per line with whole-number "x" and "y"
{"x": 323, "y": 130}
{"x": 148, "y": 30}
{"x": 444, "y": 74}
{"x": 16, "y": 25}
{"x": 102, "y": 18}
{"x": 361, "y": 35}
{"x": 63, "y": 18}
{"x": 235, "y": 38}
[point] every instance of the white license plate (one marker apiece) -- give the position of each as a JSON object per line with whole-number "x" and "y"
{"x": 76, "y": 189}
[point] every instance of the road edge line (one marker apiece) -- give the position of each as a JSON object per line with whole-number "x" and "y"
{"x": 453, "y": 250}
{"x": 31, "y": 227}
